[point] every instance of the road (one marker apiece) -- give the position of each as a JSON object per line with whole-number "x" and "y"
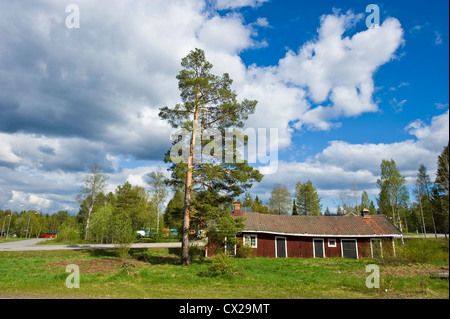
{"x": 429, "y": 235}
{"x": 31, "y": 245}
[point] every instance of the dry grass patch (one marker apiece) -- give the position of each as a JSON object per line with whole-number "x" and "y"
{"x": 95, "y": 266}
{"x": 408, "y": 270}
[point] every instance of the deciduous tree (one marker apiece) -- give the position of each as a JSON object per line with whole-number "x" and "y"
{"x": 94, "y": 185}
{"x": 280, "y": 200}
{"x": 394, "y": 196}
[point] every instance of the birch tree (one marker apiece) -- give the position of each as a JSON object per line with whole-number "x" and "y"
{"x": 94, "y": 185}
{"x": 394, "y": 195}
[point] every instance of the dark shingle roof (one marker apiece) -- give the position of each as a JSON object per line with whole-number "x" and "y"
{"x": 375, "y": 225}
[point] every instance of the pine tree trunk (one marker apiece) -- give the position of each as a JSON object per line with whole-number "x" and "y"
{"x": 185, "y": 258}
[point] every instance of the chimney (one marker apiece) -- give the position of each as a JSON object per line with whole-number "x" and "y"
{"x": 237, "y": 208}
{"x": 365, "y": 213}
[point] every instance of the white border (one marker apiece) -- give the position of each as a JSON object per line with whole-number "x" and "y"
{"x": 335, "y": 242}
{"x": 320, "y": 235}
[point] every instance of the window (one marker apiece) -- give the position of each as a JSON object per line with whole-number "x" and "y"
{"x": 331, "y": 242}
{"x": 251, "y": 240}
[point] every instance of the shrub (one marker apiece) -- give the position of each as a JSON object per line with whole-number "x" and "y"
{"x": 419, "y": 250}
{"x": 68, "y": 233}
{"x": 196, "y": 252}
{"x": 123, "y": 234}
{"x": 244, "y": 251}
{"x": 221, "y": 264}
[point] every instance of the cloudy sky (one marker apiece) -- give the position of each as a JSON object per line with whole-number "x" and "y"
{"x": 341, "y": 95}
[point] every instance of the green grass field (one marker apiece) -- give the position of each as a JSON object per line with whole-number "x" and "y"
{"x": 157, "y": 273}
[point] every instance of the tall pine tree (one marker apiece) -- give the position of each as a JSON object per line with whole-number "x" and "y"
{"x": 308, "y": 201}
{"x": 209, "y": 106}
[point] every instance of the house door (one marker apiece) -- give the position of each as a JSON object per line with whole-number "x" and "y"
{"x": 280, "y": 249}
{"x": 349, "y": 249}
{"x": 318, "y": 248}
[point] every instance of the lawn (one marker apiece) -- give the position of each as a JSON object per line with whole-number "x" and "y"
{"x": 157, "y": 273}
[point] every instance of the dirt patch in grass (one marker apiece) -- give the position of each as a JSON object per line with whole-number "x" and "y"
{"x": 412, "y": 270}
{"x": 409, "y": 270}
{"x": 93, "y": 266}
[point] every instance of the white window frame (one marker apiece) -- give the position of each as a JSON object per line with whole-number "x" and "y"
{"x": 285, "y": 246}
{"x": 323, "y": 246}
{"x": 381, "y": 246}
{"x": 330, "y": 240}
{"x": 248, "y": 239}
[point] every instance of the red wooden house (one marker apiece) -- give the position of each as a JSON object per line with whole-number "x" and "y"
{"x": 50, "y": 234}
{"x": 315, "y": 236}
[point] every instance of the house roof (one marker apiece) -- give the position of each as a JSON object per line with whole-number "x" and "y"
{"x": 301, "y": 225}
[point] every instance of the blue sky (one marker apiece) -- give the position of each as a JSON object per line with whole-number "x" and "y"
{"x": 342, "y": 96}
{"x": 422, "y": 65}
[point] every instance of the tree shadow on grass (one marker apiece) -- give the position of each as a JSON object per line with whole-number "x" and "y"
{"x": 156, "y": 257}
{"x": 102, "y": 252}
{"x": 169, "y": 256}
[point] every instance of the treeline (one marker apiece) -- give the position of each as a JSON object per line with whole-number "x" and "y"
{"x": 428, "y": 211}
{"x": 31, "y": 224}
{"x": 112, "y": 217}
{"x": 102, "y": 218}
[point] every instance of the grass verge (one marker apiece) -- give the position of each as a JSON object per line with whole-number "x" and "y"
{"x": 157, "y": 273}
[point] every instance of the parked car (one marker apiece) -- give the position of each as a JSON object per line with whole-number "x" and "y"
{"x": 140, "y": 233}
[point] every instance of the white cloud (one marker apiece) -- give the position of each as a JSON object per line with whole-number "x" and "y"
{"x": 432, "y": 137}
{"x": 340, "y": 70}
{"x": 215, "y": 34}
{"x": 397, "y": 105}
{"x": 236, "y": 4}
{"x": 28, "y": 201}
{"x": 437, "y": 38}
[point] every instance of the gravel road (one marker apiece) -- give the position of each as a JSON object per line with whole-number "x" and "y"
{"x": 31, "y": 244}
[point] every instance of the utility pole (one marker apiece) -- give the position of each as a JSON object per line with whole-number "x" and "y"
{"x": 7, "y": 232}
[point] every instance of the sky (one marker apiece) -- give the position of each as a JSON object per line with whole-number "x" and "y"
{"x": 342, "y": 95}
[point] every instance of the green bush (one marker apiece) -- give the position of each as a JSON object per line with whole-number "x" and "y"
{"x": 423, "y": 250}
{"x": 244, "y": 251}
{"x": 68, "y": 233}
{"x": 196, "y": 252}
{"x": 221, "y": 264}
